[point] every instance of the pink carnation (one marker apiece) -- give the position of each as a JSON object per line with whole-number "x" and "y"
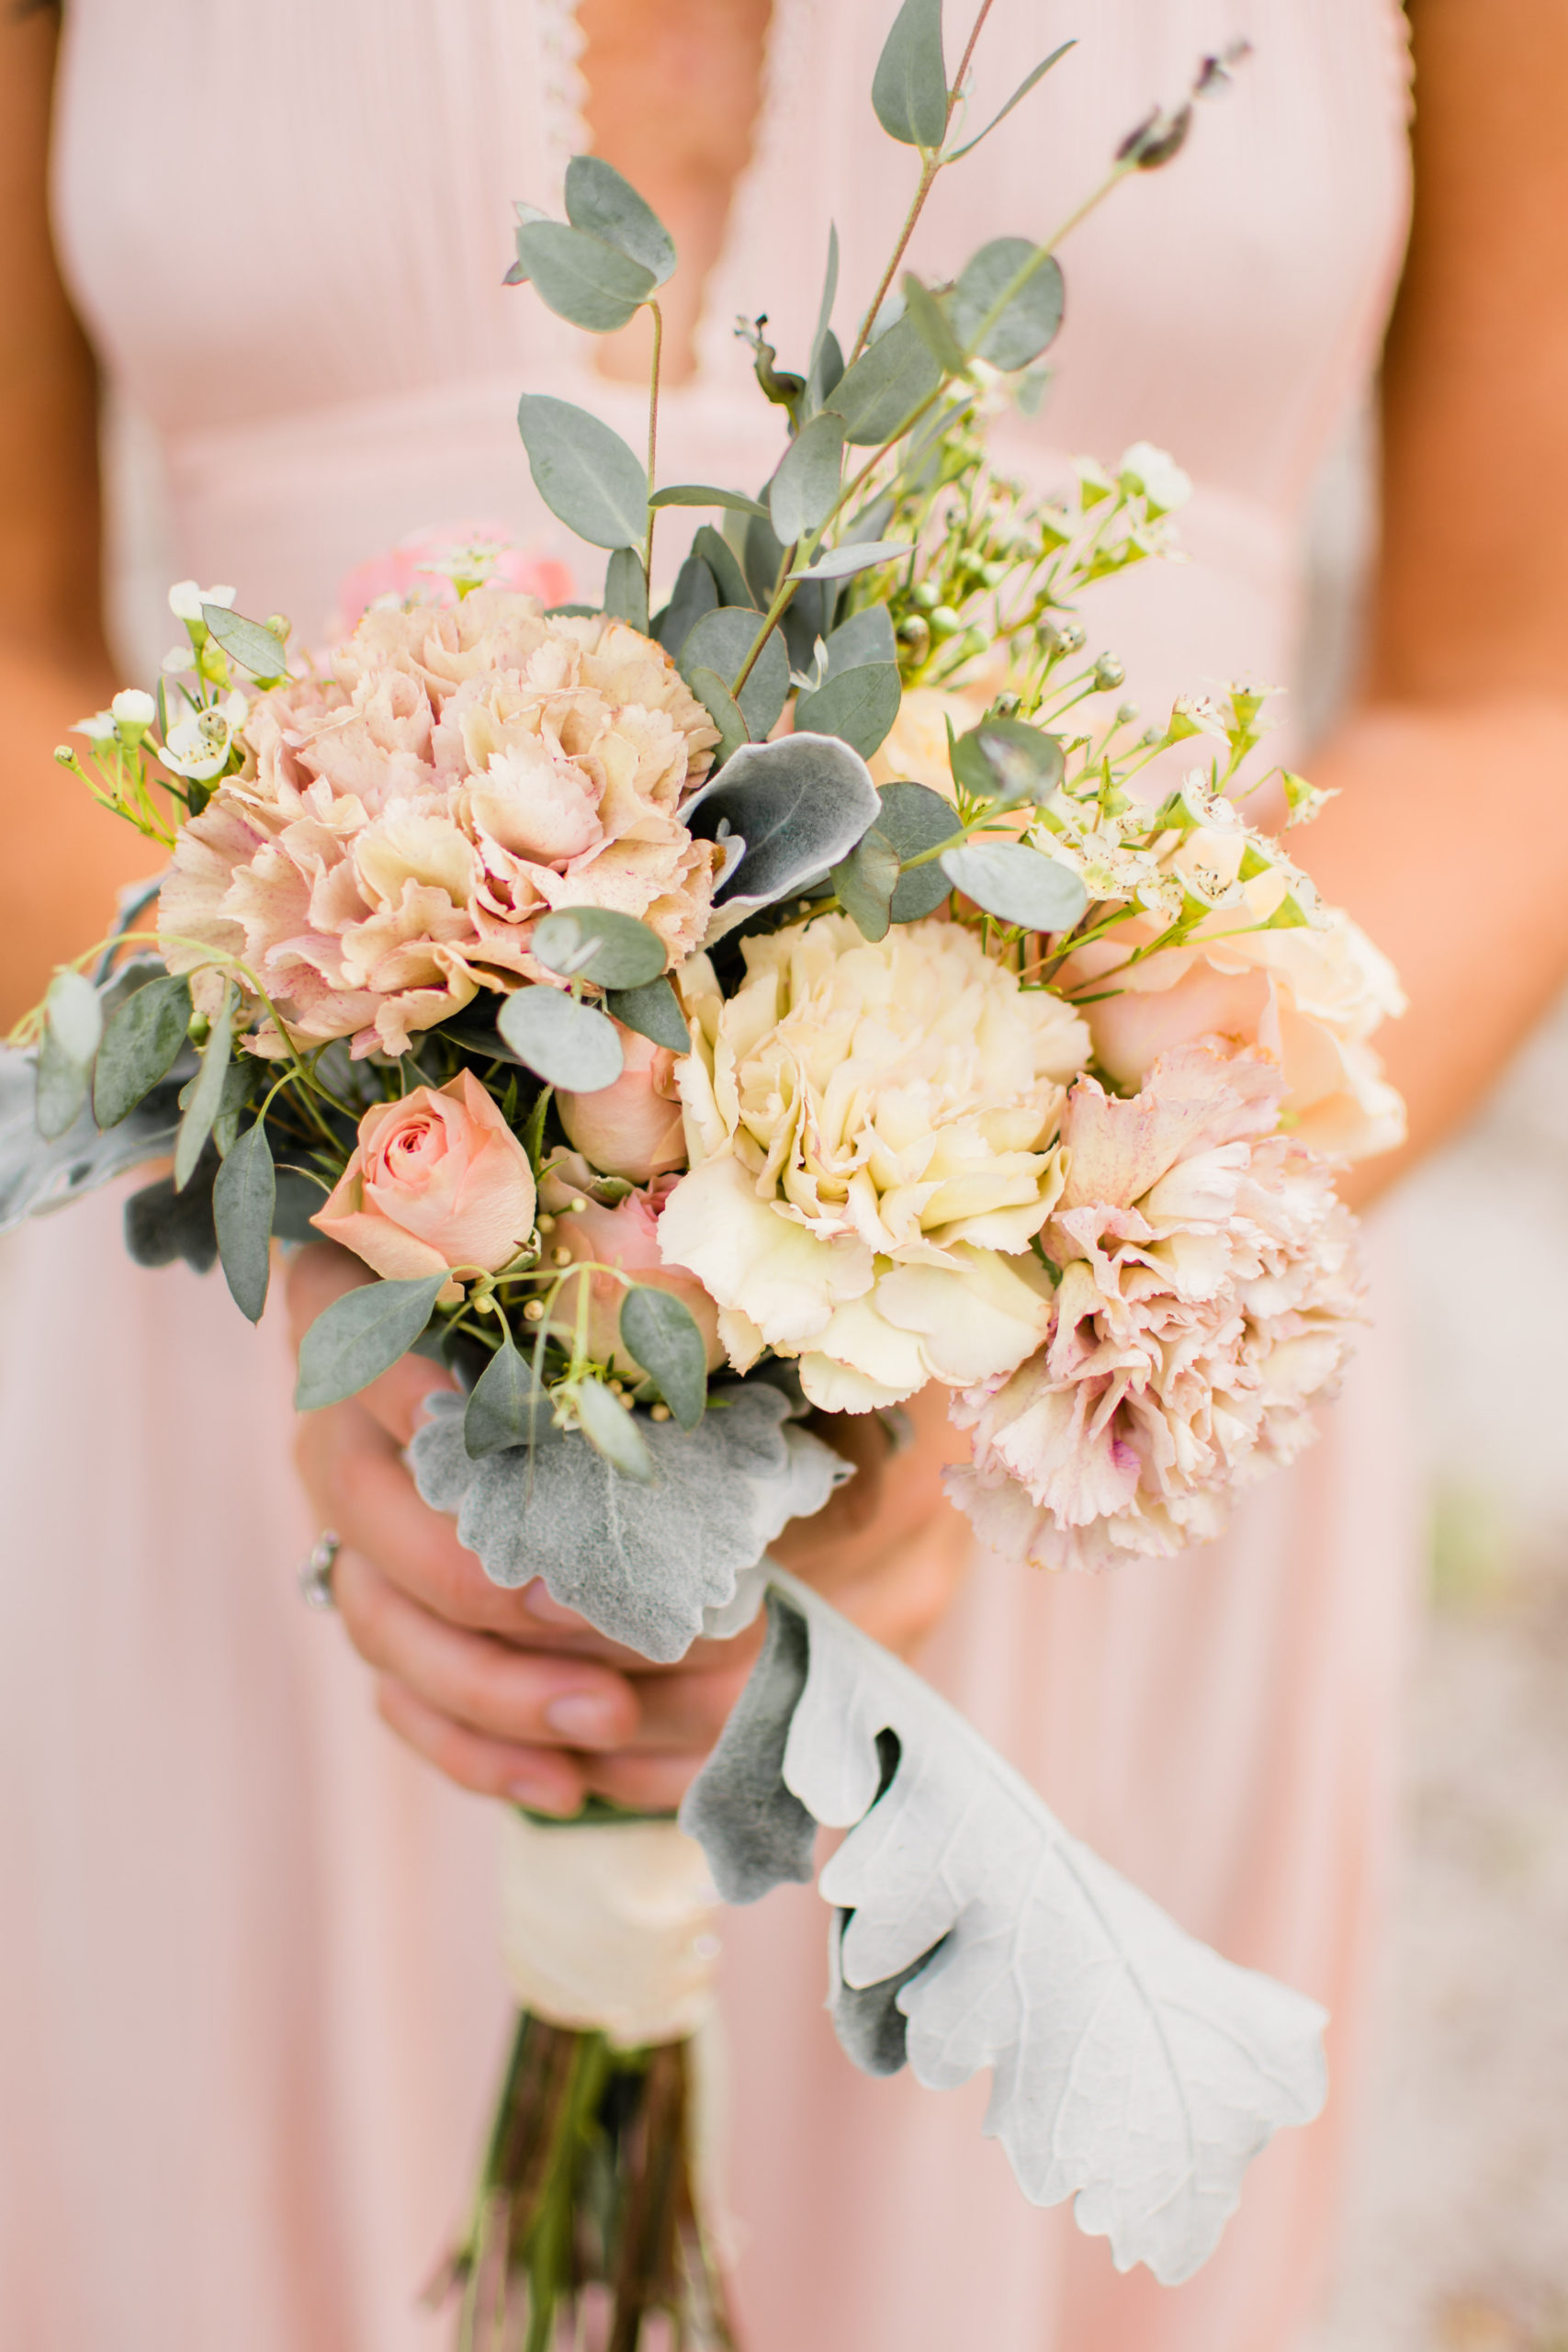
{"x": 1205, "y": 1296}
{"x": 403, "y": 822}
{"x": 412, "y": 568}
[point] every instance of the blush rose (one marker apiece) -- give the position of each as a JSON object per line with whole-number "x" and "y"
{"x": 438, "y": 1179}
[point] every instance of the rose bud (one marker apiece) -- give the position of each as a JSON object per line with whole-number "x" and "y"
{"x": 437, "y": 1180}
{"x": 632, "y": 1128}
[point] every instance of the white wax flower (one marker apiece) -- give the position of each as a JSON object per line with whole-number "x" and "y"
{"x": 133, "y": 707}
{"x": 98, "y": 728}
{"x": 185, "y": 599}
{"x": 198, "y": 747}
{"x": 1155, "y": 473}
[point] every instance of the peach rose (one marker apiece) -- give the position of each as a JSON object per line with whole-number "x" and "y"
{"x": 438, "y": 1179}
{"x": 622, "y": 1233}
{"x": 633, "y": 1128}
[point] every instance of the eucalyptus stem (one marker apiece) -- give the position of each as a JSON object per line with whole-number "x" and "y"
{"x": 653, "y": 433}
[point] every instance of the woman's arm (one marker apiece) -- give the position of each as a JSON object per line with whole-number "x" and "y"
{"x": 64, "y": 859}
{"x": 1449, "y": 841}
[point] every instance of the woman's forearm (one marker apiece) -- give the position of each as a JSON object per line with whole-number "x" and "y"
{"x": 1448, "y": 843}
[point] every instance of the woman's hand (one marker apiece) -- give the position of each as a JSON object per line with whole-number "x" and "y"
{"x": 509, "y": 1694}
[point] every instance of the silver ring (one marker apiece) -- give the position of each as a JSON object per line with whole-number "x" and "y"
{"x": 316, "y": 1572}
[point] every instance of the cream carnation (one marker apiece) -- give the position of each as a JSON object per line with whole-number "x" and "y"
{"x": 400, "y": 824}
{"x": 870, "y": 1130}
{"x": 1206, "y": 1293}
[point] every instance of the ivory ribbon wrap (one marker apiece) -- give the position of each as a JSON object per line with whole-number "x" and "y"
{"x": 609, "y": 1925}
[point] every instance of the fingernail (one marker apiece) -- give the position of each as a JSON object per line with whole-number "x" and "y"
{"x": 587, "y": 1722}
{"x": 537, "y": 1796}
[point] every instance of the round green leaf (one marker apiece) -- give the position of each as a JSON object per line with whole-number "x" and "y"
{"x": 661, "y": 1334}
{"x": 857, "y": 706}
{"x": 360, "y": 1336}
{"x": 913, "y": 819}
{"x": 140, "y": 1045}
{"x": 507, "y": 1406}
{"x": 1030, "y": 314}
{"x": 595, "y": 944}
{"x": 1016, "y": 884}
{"x": 244, "y": 1194}
{"x": 653, "y": 1010}
{"x": 569, "y": 1044}
{"x": 804, "y": 488}
{"x": 889, "y": 379}
{"x": 599, "y": 200}
{"x": 594, "y": 284}
{"x": 720, "y": 641}
{"x": 1004, "y": 760}
{"x": 865, "y": 882}
{"x": 908, "y": 89}
{"x": 583, "y": 471}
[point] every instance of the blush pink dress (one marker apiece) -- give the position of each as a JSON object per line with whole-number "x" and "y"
{"x": 249, "y": 2004}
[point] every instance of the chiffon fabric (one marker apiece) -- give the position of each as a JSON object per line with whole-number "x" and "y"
{"x": 249, "y": 2004}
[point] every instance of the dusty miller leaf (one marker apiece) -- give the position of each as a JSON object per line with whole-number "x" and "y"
{"x": 643, "y": 1564}
{"x": 799, "y": 804}
{"x": 38, "y": 1174}
{"x": 1133, "y": 2068}
{"x": 73, "y": 1023}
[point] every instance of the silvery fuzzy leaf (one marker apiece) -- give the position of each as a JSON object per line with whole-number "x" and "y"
{"x": 1133, "y": 2068}
{"x": 73, "y": 1023}
{"x": 36, "y": 1174}
{"x": 799, "y": 804}
{"x": 642, "y": 1562}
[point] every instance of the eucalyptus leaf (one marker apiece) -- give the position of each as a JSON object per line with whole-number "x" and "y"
{"x": 625, "y": 588}
{"x": 698, "y": 493}
{"x": 37, "y": 1173}
{"x": 865, "y": 637}
{"x": 804, "y": 488}
{"x": 205, "y": 1099}
{"x": 583, "y": 471}
{"x": 865, "y": 882}
{"x": 720, "y": 641}
{"x": 1016, "y": 884}
{"x": 859, "y": 706}
{"x": 581, "y": 278}
{"x": 1027, "y": 281}
{"x": 644, "y": 1564}
{"x": 915, "y": 818}
{"x": 360, "y": 1336}
{"x": 163, "y": 1227}
{"x": 800, "y": 805}
{"x": 725, "y": 565}
{"x": 599, "y": 200}
{"x": 615, "y": 951}
{"x": 72, "y": 1025}
{"x": 260, "y": 650}
{"x": 829, "y": 296}
{"x": 613, "y": 1432}
{"x": 1022, "y": 91}
{"x": 1004, "y": 760}
{"x": 693, "y": 595}
{"x": 908, "y": 89}
{"x": 661, "y": 1334}
{"x": 140, "y": 1045}
{"x": 890, "y": 379}
{"x": 244, "y": 1195}
{"x": 507, "y": 1405}
{"x": 929, "y": 322}
{"x": 762, "y": 556}
{"x": 653, "y": 1010}
{"x": 1131, "y": 2068}
{"x": 569, "y": 1045}
{"x": 843, "y": 562}
{"x": 722, "y": 708}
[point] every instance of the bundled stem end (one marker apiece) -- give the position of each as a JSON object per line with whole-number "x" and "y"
{"x": 586, "y": 2227}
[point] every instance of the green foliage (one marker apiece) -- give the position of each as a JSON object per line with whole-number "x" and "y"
{"x": 908, "y": 89}
{"x": 660, "y": 1334}
{"x": 887, "y": 385}
{"x": 205, "y": 1098}
{"x": 1004, "y": 760}
{"x": 72, "y": 1025}
{"x": 1016, "y": 884}
{"x": 244, "y": 1195}
{"x": 722, "y": 708}
{"x": 507, "y": 1405}
{"x": 569, "y": 1045}
{"x": 1006, "y": 306}
{"x": 858, "y": 704}
{"x": 583, "y": 471}
{"x": 256, "y": 648}
{"x": 1022, "y": 91}
{"x": 615, "y": 951}
{"x": 865, "y": 882}
{"x": 140, "y": 1045}
{"x": 653, "y": 1010}
{"x": 612, "y": 1432}
{"x": 592, "y": 284}
{"x": 625, "y": 588}
{"x": 721, "y": 641}
{"x": 915, "y": 818}
{"x": 804, "y": 489}
{"x": 360, "y": 1336}
{"x": 601, "y": 202}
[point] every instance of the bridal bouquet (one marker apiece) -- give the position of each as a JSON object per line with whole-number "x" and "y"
{"x": 701, "y": 1021}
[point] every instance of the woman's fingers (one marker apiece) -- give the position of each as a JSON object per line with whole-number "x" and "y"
{"x": 546, "y": 1779}
{"x": 523, "y": 1697}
